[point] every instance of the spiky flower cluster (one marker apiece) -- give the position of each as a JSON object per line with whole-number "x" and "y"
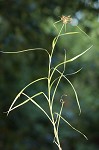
{"x": 66, "y": 19}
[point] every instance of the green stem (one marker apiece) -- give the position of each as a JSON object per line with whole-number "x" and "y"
{"x": 56, "y": 40}
{"x": 50, "y": 106}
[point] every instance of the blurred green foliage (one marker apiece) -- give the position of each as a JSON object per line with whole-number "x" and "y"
{"x": 29, "y": 24}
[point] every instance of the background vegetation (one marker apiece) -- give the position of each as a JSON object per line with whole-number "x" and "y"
{"x": 29, "y": 24}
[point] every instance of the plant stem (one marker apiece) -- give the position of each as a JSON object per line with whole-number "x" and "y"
{"x": 57, "y": 142}
{"x": 50, "y": 106}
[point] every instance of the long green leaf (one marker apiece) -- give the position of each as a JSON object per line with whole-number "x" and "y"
{"x": 26, "y": 50}
{"x": 35, "y": 103}
{"x": 27, "y": 100}
{"x": 56, "y": 38}
{"x": 72, "y": 88}
{"x": 18, "y": 95}
{"x": 72, "y": 126}
{"x": 70, "y": 60}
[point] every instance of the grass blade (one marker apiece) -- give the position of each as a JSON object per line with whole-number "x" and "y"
{"x": 72, "y": 126}
{"x": 69, "y": 74}
{"x": 35, "y": 103}
{"x": 83, "y": 32}
{"x": 56, "y": 38}
{"x": 70, "y": 60}
{"x": 27, "y": 100}
{"x": 72, "y": 88}
{"x": 26, "y": 50}
{"x": 18, "y": 95}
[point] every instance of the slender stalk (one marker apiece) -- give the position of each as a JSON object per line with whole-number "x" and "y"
{"x": 56, "y": 40}
{"x": 50, "y": 106}
{"x": 49, "y": 92}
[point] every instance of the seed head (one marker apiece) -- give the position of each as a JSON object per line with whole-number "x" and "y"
{"x": 66, "y": 19}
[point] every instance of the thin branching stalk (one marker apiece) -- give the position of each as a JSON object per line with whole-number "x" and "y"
{"x": 50, "y": 97}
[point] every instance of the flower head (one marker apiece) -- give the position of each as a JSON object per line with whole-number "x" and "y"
{"x": 66, "y": 19}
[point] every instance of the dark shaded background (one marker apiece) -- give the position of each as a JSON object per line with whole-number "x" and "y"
{"x": 29, "y": 24}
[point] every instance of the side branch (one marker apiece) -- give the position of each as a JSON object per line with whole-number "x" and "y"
{"x": 26, "y": 50}
{"x": 18, "y": 95}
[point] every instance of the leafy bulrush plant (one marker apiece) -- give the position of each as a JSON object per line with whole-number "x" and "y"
{"x": 54, "y": 117}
